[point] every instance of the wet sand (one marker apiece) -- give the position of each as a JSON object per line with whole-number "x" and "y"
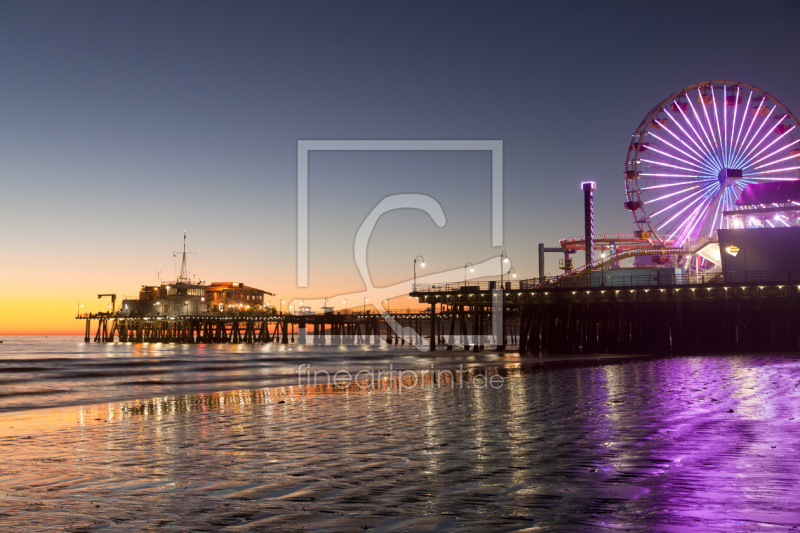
{"x": 673, "y": 444}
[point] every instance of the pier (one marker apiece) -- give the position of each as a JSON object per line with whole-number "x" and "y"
{"x": 559, "y": 316}
{"x": 687, "y": 316}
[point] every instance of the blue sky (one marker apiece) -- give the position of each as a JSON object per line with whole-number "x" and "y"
{"x": 125, "y": 123}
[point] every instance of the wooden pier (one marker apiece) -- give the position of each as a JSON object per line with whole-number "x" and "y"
{"x": 687, "y": 318}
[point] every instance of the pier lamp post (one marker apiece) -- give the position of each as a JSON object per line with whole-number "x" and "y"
{"x": 504, "y": 259}
{"x": 282, "y": 302}
{"x": 471, "y": 269}
{"x": 80, "y": 306}
{"x": 603, "y": 269}
{"x": 365, "y": 305}
{"x": 345, "y": 307}
{"x": 422, "y": 264}
{"x": 291, "y": 309}
{"x": 386, "y": 301}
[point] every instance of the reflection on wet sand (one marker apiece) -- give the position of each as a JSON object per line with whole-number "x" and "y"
{"x": 655, "y": 444}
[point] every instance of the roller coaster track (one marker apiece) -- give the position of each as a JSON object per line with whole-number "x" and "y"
{"x": 600, "y": 264}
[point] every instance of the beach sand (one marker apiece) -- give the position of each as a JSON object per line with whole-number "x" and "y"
{"x": 672, "y": 444}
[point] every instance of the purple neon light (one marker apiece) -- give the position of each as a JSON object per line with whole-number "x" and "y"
{"x": 781, "y": 136}
{"x": 707, "y": 148}
{"x": 744, "y": 118}
{"x": 672, "y": 194}
{"x": 725, "y": 123}
{"x": 700, "y": 199}
{"x": 778, "y": 160}
{"x": 719, "y": 131}
{"x": 677, "y": 202}
{"x": 766, "y": 134}
{"x": 673, "y": 146}
{"x": 683, "y": 114}
{"x": 687, "y": 228}
{"x": 752, "y": 122}
{"x": 710, "y": 148}
{"x": 755, "y": 134}
{"x": 698, "y": 154}
{"x": 733, "y": 122}
{"x": 663, "y": 164}
{"x": 673, "y": 156}
{"x": 675, "y": 184}
{"x": 708, "y": 121}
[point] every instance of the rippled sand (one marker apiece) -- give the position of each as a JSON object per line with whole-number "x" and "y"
{"x": 678, "y": 444}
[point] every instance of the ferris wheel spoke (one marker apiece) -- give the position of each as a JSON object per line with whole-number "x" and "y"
{"x": 673, "y": 156}
{"x": 691, "y": 222}
{"x": 674, "y": 184}
{"x": 719, "y": 130}
{"x": 675, "y": 215}
{"x": 733, "y": 121}
{"x": 778, "y": 138}
{"x": 675, "y": 147}
{"x": 706, "y": 147}
{"x": 713, "y": 225}
{"x": 662, "y": 175}
{"x": 700, "y": 123}
{"x": 690, "y": 137}
{"x": 741, "y": 126}
{"x": 725, "y": 121}
{"x": 746, "y": 157}
{"x": 754, "y": 177}
{"x": 679, "y": 139}
{"x": 670, "y": 165}
{"x": 788, "y": 157}
{"x": 657, "y": 198}
{"x": 742, "y": 155}
{"x": 677, "y": 202}
{"x": 708, "y": 121}
{"x": 752, "y": 120}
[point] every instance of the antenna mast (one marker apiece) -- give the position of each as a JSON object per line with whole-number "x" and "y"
{"x": 183, "y": 277}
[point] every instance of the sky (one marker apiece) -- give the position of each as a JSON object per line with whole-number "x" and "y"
{"x": 123, "y": 124}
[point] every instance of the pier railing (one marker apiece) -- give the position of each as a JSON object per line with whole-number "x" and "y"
{"x": 611, "y": 278}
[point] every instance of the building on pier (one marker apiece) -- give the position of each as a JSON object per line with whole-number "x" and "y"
{"x": 174, "y": 299}
{"x": 233, "y": 295}
{"x": 762, "y": 233}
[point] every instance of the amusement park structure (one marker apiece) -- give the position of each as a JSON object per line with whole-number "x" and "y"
{"x": 715, "y": 155}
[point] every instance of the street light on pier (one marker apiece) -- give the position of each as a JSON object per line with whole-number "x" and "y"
{"x": 365, "y": 305}
{"x": 603, "y": 268}
{"x": 422, "y": 264}
{"x": 282, "y": 302}
{"x": 471, "y": 269}
{"x": 345, "y": 307}
{"x": 504, "y": 259}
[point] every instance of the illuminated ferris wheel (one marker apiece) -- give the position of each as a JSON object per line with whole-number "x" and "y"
{"x": 694, "y": 153}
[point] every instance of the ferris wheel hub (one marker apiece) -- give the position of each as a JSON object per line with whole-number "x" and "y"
{"x": 728, "y": 176}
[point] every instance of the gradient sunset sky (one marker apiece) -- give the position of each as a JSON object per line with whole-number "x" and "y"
{"x": 124, "y": 123}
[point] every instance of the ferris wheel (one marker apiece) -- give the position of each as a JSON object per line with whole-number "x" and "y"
{"x": 693, "y": 154}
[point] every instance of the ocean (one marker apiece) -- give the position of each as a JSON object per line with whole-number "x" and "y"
{"x": 122, "y": 437}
